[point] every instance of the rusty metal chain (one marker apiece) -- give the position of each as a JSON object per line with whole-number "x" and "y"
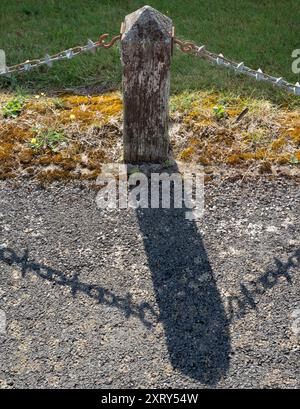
{"x": 63, "y": 55}
{"x": 190, "y": 47}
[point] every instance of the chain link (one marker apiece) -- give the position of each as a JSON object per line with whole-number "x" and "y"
{"x": 63, "y": 55}
{"x": 186, "y": 46}
{"x": 190, "y": 48}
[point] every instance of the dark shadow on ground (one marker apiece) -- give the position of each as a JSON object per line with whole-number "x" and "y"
{"x": 143, "y": 311}
{"x": 196, "y": 328}
{"x": 239, "y": 305}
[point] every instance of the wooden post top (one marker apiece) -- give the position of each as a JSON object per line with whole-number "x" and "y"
{"x": 147, "y": 25}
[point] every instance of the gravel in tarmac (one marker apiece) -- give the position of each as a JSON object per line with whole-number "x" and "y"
{"x": 127, "y": 298}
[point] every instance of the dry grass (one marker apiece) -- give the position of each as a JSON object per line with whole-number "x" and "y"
{"x": 91, "y": 127}
{"x": 265, "y": 137}
{"x": 266, "y": 134}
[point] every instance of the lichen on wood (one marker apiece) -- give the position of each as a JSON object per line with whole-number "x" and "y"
{"x": 146, "y": 55}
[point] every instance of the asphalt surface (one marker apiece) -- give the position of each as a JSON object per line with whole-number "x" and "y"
{"x": 124, "y": 298}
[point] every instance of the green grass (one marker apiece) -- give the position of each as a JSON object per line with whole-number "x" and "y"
{"x": 13, "y": 108}
{"x": 47, "y": 139}
{"x": 262, "y": 33}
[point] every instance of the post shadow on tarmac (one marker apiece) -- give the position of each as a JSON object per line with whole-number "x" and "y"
{"x": 191, "y": 310}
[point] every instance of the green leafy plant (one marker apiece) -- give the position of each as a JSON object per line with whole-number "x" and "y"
{"x": 59, "y": 104}
{"x": 13, "y": 108}
{"x": 220, "y": 111}
{"x": 168, "y": 163}
{"x": 47, "y": 139}
{"x": 294, "y": 161}
{"x": 134, "y": 170}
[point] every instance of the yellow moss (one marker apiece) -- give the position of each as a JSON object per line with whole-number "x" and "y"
{"x": 91, "y": 175}
{"x": 68, "y": 164}
{"x": 247, "y": 155}
{"x": 260, "y": 153}
{"x": 284, "y": 158}
{"x": 209, "y": 101}
{"x": 97, "y": 154}
{"x": 225, "y": 137}
{"x": 30, "y": 170}
{"x": 26, "y": 156}
{"x": 76, "y": 100}
{"x": 234, "y": 159}
{"x": 233, "y": 111}
{"x": 93, "y": 165}
{"x": 296, "y": 140}
{"x": 6, "y": 150}
{"x": 194, "y": 141}
{"x": 294, "y": 134}
{"x": 75, "y": 149}
{"x": 11, "y": 132}
{"x": 44, "y": 160}
{"x": 83, "y": 116}
{"x": 187, "y": 153}
{"x": 75, "y": 158}
{"x": 297, "y": 155}
{"x": 40, "y": 107}
{"x": 191, "y": 116}
{"x": 205, "y": 122}
{"x": 7, "y": 158}
{"x": 277, "y": 144}
{"x": 267, "y": 135}
{"x": 290, "y": 125}
{"x": 89, "y": 110}
{"x": 57, "y": 158}
{"x": 54, "y": 174}
{"x": 271, "y": 156}
{"x": 204, "y": 160}
{"x": 7, "y": 175}
{"x": 102, "y": 100}
{"x": 112, "y": 109}
{"x": 8, "y": 165}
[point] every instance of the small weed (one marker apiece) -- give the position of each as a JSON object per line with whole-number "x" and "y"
{"x": 220, "y": 111}
{"x": 134, "y": 170}
{"x": 59, "y": 104}
{"x": 168, "y": 163}
{"x": 13, "y": 108}
{"x": 294, "y": 160}
{"x": 47, "y": 139}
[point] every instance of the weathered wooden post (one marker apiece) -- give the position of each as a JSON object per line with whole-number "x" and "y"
{"x": 2, "y": 61}
{"x": 146, "y": 55}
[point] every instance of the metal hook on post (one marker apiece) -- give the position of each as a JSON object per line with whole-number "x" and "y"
{"x": 103, "y": 37}
{"x": 185, "y": 46}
